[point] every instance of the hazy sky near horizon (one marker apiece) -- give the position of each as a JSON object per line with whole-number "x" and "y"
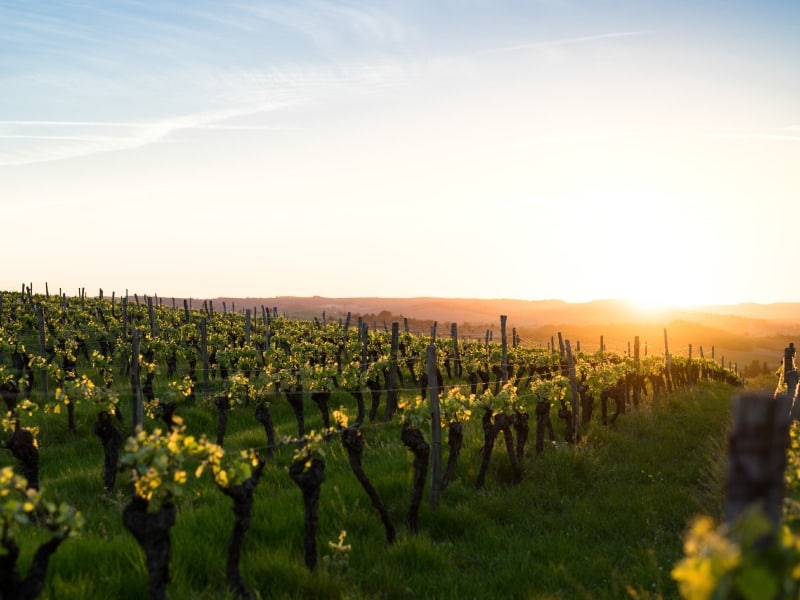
{"x": 571, "y": 149}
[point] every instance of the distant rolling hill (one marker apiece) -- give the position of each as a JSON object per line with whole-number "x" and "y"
{"x": 741, "y": 333}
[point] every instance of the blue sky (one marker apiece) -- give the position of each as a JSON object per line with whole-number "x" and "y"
{"x": 540, "y": 149}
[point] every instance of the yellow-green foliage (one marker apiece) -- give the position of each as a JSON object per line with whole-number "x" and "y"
{"x": 735, "y": 561}
{"x": 21, "y": 506}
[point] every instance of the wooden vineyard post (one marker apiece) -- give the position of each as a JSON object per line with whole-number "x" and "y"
{"x": 504, "y": 347}
{"x": 125, "y": 316}
{"x": 247, "y": 326}
{"x": 152, "y": 314}
{"x": 204, "y": 355}
{"x": 266, "y": 328}
{"x": 42, "y": 349}
{"x": 573, "y": 387}
{"x": 185, "y": 310}
{"x": 136, "y": 384}
{"x": 602, "y": 344}
{"x": 637, "y": 372}
{"x": 391, "y": 384}
{"x": 790, "y": 376}
{"x": 561, "y": 349}
{"x": 436, "y": 426}
{"x": 668, "y": 361}
{"x": 456, "y": 355}
{"x": 757, "y": 445}
{"x": 363, "y": 336}
{"x": 125, "y": 362}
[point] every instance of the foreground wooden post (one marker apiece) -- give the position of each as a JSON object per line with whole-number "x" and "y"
{"x": 790, "y": 376}
{"x": 136, "y": 385}
{"x": 204, "y": 355}
{"x": 573, "y": 386}
{"x": 151, "y": 313}
{"x": 504, "y": 347}
{"x": 668, "y": 361}
{"x": 456, "y": 355}
{"x": 637, "y": 367}
{"x": 247, "y": 326}
{"x": 391, "y": 383}
{"x": 757, "y": 445}
{"x": 436, "y": 426}
{"x": 42, "y": 348}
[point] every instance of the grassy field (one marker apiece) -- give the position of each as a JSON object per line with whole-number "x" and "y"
{"x": 603, "y": 519}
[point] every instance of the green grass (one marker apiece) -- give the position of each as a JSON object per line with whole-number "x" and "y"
{"x": 594, "y": 520}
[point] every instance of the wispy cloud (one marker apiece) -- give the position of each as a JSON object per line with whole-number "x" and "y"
{"x": 72, "y": 139}
{"x": 569, "y": 41}
{"x": 328, "y": 23}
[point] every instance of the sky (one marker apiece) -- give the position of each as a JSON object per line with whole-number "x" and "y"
{"x": 543, "y": 149}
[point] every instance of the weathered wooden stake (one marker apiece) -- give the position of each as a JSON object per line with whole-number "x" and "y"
{"x": 247, "y": 326}
{"x": 757, "y": 445}
{"x": 456, "y": 354}
{"x": 573, "y": 386}
{"x": 391, "y": 383}
{"x": 668, "y": 361}
{"x": 136, "y": 384}
{"x": 42, "y": 349}
{"x": 152, "y": 314}
{"x": 504, "y": 349}
{"x": 204, "y": 355}
{"x": 636, "y": 368}
{"x": 791, "y": 377}
{"x": 436, "y": 426}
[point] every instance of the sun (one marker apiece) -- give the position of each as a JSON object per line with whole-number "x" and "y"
{"x": 659, "y": 300}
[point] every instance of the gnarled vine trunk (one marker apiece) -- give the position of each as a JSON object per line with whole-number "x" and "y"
{"x": 353, "y": 442}
{"x": 242, "y": 497}
{"x": 111, "y": 440}
{"x": 23, "y": 447}
{"x": 413, "y": 440}
{"x": 309, "y": 480}
{"x": 12, "y": 587}
{"x": 152, "y": 531}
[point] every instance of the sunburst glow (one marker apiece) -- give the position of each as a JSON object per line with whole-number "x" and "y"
{"x": 534, "y": 150}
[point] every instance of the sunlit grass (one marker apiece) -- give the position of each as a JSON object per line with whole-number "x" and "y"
{"x": 587, "y": 521}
